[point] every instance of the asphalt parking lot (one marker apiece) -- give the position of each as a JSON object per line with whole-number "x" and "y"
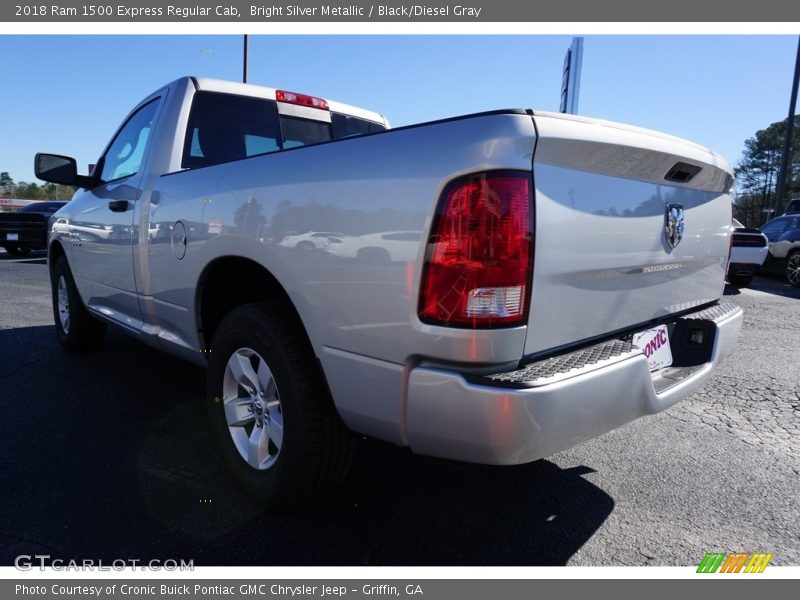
{"x": 108, "y": 456}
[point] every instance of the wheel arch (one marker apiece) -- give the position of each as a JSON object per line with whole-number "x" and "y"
{"x": 231, "y": 281}
{"x": 54, "y": 252}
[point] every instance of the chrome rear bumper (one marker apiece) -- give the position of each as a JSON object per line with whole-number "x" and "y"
{"x": 553, "y": 404}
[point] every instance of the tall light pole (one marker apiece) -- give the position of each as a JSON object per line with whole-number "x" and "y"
{"x": 787, "y": 140}
{"x": 244, "y": 58}
{"x": 571, "y": 77}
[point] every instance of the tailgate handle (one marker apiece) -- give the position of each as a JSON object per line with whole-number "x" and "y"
{"x": 682, "y": 172}
{"x": 118, "y": 205}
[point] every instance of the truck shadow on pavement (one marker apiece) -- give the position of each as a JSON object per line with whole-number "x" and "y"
{"x": 775, "y": 285}
{"x": 38, "y": 258}
{"x": 109, "y": 456}
{"x": 768, "y": 284}
{"x": 33, "y": 261}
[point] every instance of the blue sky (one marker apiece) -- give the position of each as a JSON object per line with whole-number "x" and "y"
{"x": 67, "y": 94}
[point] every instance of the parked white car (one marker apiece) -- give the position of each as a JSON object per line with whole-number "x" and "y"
{"x": 313, "y": 240}
{"x": 383, "y": 247}
{"x": 749, "y": 250}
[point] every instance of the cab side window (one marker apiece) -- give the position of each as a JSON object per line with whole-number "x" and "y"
{"x": 125, "y": 155}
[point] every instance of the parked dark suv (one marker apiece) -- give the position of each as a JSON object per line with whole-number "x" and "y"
{"x": 793, "y": 208}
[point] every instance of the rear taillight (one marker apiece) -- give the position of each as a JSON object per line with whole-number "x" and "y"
{"x": 480, "y": 252}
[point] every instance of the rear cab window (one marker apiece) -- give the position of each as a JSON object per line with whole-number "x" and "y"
{"x": 304, "y": 132}
{"x": 226, "y": 127}
{"x": 223, "y": 127}
{"x": 347, "y": 125}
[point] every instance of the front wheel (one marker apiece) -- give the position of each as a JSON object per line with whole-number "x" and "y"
{"x": 77, "y": 330}
{"x": 271, "y": 411}
{"x": 793, "y": 269}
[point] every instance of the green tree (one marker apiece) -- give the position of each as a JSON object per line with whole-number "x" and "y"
{"x": 28, "y": 191}
{"x": 757, "y": 172}
{"x": 6, "y": 184}
{"x": 63, "y": 192}
{"x": 32, "y": 191}
{"x": 53, "y": 191}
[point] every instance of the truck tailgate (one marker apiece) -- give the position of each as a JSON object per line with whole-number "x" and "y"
{"x": 606, "y": 258}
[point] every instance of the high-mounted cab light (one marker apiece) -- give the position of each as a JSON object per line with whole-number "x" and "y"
{"x": 479, "y": 257}
{"x": 301, "y": 99}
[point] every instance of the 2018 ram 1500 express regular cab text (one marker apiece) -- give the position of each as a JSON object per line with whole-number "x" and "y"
{"x": 516, "y": 281}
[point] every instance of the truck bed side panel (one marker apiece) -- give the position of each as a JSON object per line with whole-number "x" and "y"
{"x": 343, "y": 227}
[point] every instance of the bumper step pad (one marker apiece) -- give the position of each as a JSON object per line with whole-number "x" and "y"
{"x": 558, "y": 368}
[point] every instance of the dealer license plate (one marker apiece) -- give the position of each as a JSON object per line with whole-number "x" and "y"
{"x": 12, "y": 237}
{"x": 655, "y": 345}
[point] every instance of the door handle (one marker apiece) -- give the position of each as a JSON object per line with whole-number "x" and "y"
{"x": 118, "y": 205}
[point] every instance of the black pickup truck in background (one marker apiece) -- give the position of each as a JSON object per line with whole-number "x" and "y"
{"x": 26, "y": 229}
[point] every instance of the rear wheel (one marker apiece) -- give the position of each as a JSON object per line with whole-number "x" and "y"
{"x": 271, "y": 411}
{"x": 793, "y": 269}
{"x": 77, "y": 330}
{"x": 17, "y": 251}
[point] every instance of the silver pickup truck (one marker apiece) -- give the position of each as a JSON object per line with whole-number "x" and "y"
{"x": 490, "y": 288}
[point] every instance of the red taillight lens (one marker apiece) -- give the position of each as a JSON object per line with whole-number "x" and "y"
{"x": 301, "y": 99}
{"x": 480, "y": 252}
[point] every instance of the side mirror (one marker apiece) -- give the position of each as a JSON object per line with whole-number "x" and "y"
{"x": 55, "y": 168}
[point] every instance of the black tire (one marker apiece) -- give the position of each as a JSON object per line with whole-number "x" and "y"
{"x": 306, "y": 246}
{"x": 315, "y": 448}
{"x": 17, "y": 251}
{"x": 793, "y": 268}
{"x": 740, "y": 281}
{"x": 81, "y": 332}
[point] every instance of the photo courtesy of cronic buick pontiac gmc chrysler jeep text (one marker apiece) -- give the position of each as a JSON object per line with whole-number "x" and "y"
{"x": 491, "y": 288}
